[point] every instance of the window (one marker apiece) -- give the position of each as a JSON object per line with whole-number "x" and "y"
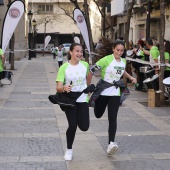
{"x": 1, "y": 2}
{"x": 45, "y": 9}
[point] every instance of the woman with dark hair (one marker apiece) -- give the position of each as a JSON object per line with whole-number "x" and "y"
{"x": 71, "y": 81}
{"x": 112, "y": 68}
{"x": 167, "y": 59}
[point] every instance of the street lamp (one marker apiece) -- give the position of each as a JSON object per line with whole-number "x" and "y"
{"x": 148, "y": 19}
{"x": 30, "y": 14}
{"x": 34, "y": 24}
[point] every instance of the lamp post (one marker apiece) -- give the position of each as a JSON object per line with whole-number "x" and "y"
{"x": 104, "y": 18}
{"x": 148, "y": 19}
{"x": 34, "y": 24}
{"x": 30, "y": 14}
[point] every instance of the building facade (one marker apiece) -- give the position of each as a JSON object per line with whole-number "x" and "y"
{"x": 138, "y": 26}
{"x": 55, "y": 18}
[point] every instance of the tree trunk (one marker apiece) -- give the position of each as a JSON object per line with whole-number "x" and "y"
{"x": 162, "y": 58}
{"x": 129, "y": 14}
{"x": 89, "y": 28}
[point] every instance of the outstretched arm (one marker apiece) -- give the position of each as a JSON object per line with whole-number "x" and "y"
{"x": 130, "y": 77}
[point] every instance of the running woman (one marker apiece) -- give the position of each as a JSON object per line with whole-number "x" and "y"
{"x": 112, "y": 68}
{"x": 72, "y": 80}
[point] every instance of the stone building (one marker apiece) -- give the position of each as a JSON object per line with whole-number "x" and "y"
{"x": 138, "y": 26}
{"x": 54, "y": 18}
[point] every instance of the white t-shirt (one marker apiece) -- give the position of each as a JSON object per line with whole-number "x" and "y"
{"x": 60, "y": 55}
{"x": 111, "y": 70}
{"x": 77, "y": 74}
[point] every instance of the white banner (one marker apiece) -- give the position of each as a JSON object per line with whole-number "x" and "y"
{"x": 12, "y": 17}
{"x": 77, "y": 39}
{"x": 47, "y": 40}
{"x": 81, "y": 23}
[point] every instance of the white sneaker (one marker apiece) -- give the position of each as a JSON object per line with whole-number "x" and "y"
{"x": 68, "y": 155}
{"x": 112, "y": 148}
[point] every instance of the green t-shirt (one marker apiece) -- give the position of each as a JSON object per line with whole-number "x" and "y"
{"x": 154, "y": 54}
{"x": 141, "y": 53}
{"x": 1, "y": 64}
{"x": 167, "y": 57}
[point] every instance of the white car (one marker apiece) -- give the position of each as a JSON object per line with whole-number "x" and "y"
{"x": 66, "y": 47}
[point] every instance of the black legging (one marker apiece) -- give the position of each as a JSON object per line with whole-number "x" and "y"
{"x": 113, "y": 107}
{"x": 76, "y": 116}
{"x": 60, "y": 63}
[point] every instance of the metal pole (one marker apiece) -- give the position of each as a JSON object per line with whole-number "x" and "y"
{"x": 148, "y": 20}
{"x": 29, "y": 40}
{"x": 34, "y": 35}
{"x": 33, "y": 40}
{"x": 104, "y": 14}
{"x": 89, "y": 28}
{"x": 44, "y": 35}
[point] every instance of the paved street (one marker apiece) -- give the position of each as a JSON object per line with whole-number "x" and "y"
{"x": 32, "y": 130}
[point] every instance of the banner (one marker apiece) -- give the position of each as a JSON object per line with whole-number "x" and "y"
{"x": 77, "y": 39}
{"x": 11, "y": 19}
{"x": 47, "y": 40}
{"x": 81, "y": 23}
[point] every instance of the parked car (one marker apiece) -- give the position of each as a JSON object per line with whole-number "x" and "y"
{"x": 66, "y": 47}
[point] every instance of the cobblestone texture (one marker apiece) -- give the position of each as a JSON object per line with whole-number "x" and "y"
{"x": 31, "y": 128}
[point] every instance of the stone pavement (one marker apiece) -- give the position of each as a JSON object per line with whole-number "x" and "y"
{"x": 32, "y": 130}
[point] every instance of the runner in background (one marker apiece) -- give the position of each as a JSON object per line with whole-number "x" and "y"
{"x": 60, "y": 55}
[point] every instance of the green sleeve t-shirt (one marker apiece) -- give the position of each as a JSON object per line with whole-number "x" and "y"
{"x": 111, "y": 70}
{"x": 141, "y": 53}
{"x": 167, "y": 57}
{"x": 76, "y": 74}
{"x": 154, "y": 54}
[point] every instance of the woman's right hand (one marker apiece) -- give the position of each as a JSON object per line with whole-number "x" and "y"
{"x": 67, "y": 88}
